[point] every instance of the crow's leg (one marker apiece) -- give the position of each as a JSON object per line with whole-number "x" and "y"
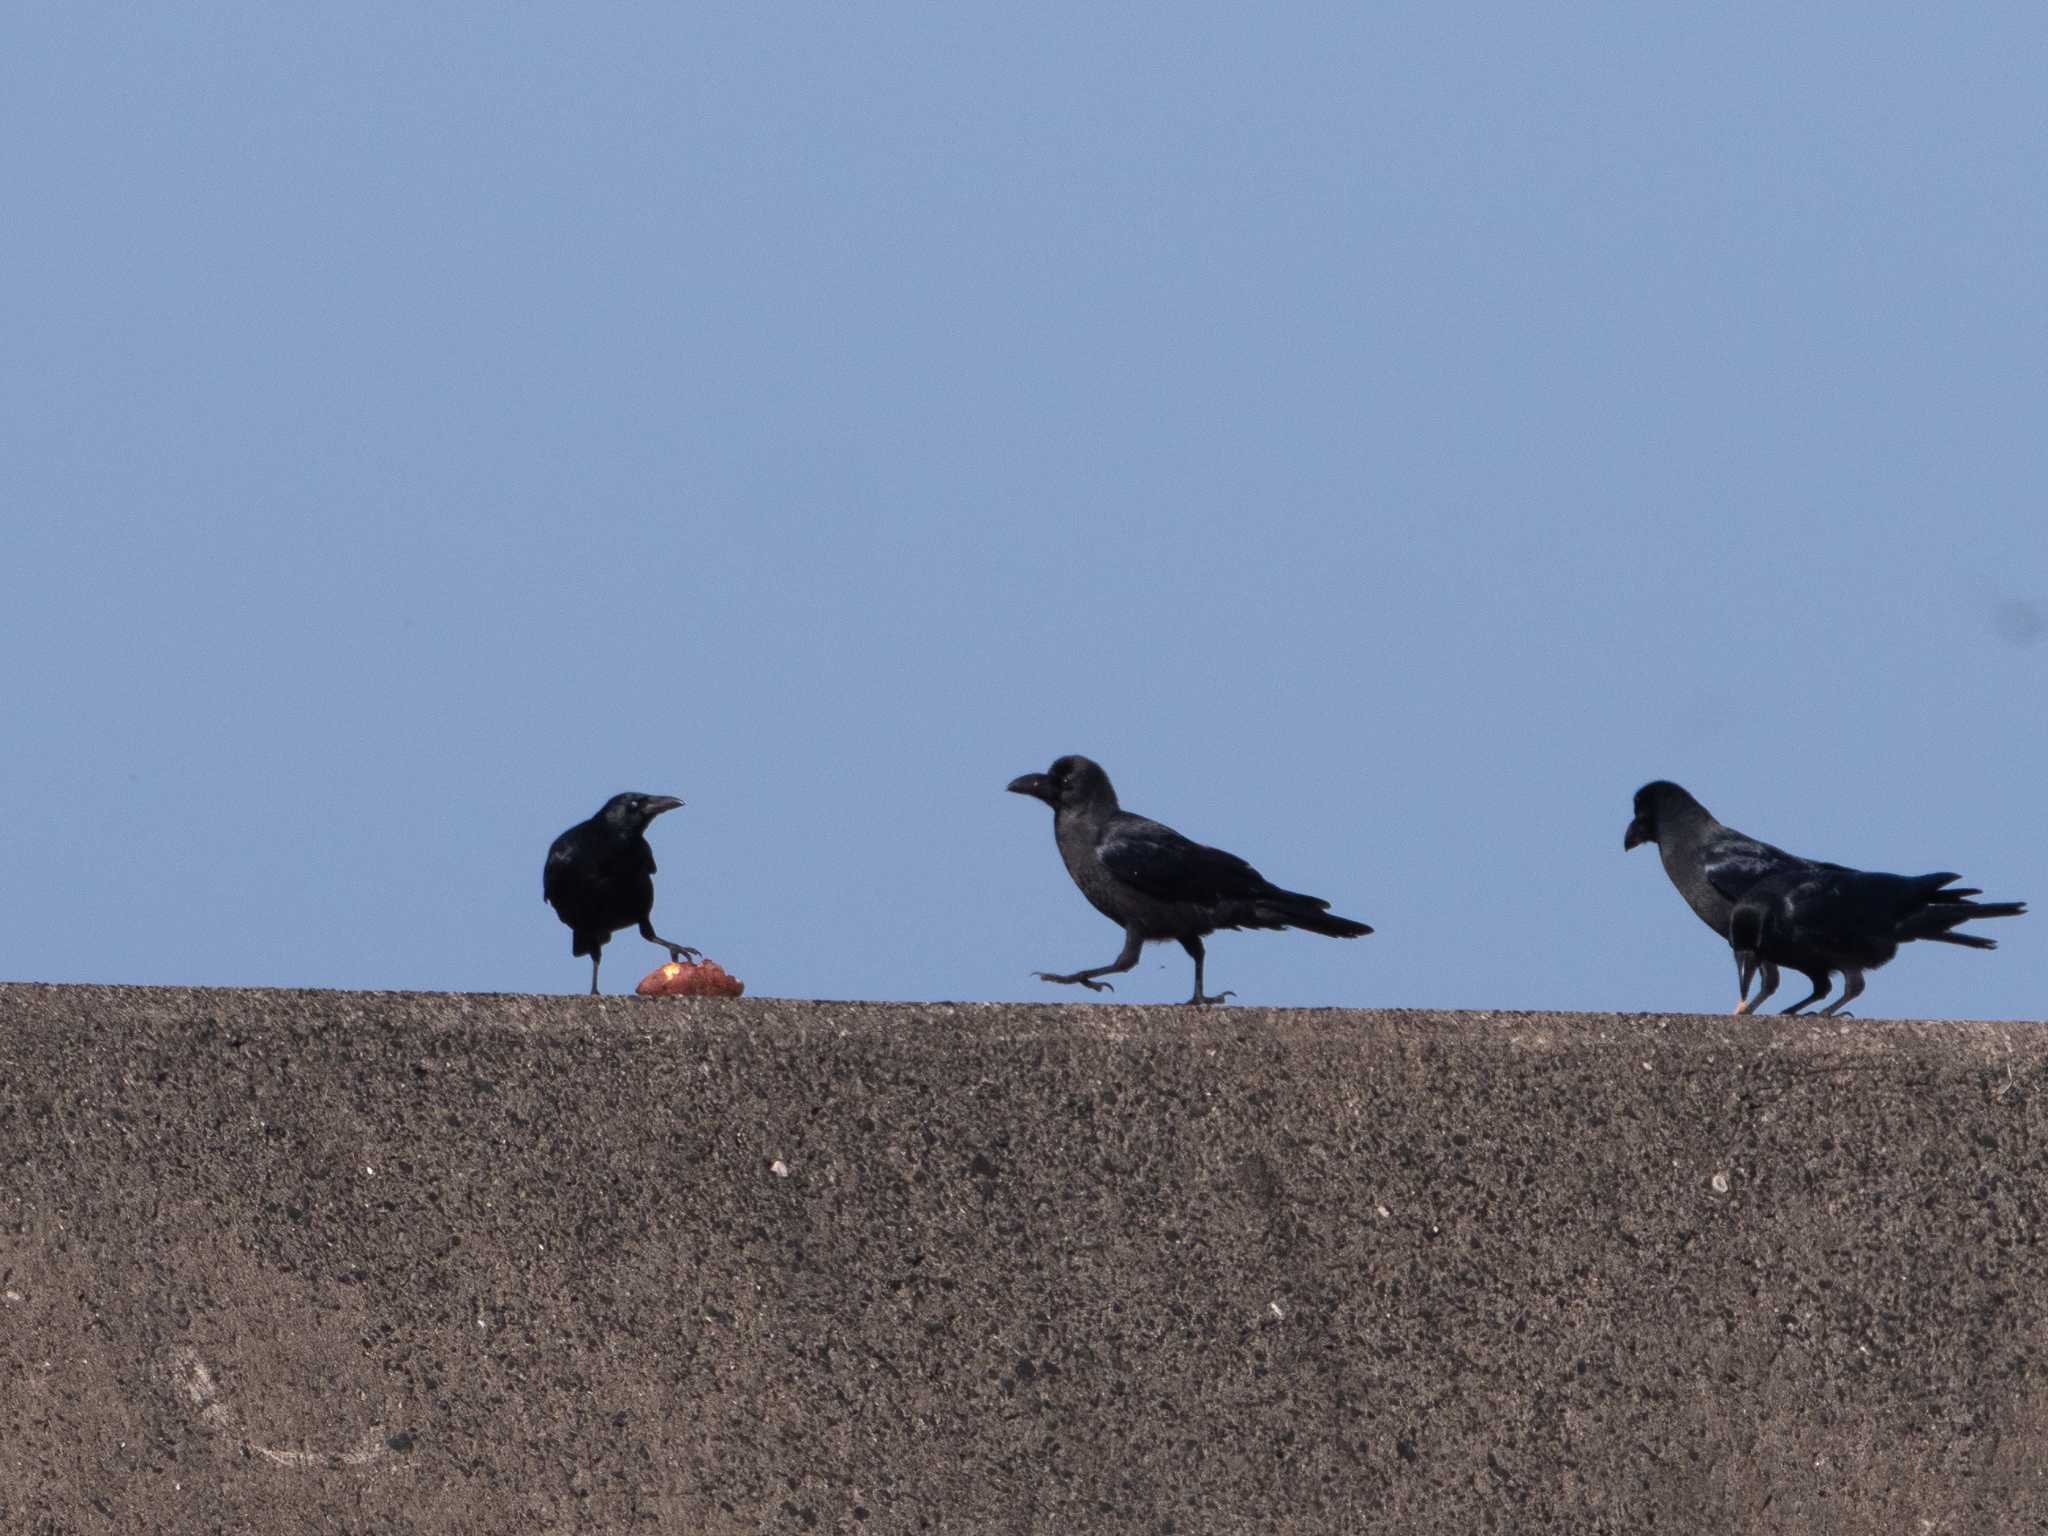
{"x": 1134, "y": 941}
{"x": 1852, "y": 986}
{"x": 1821, "y": 982}
{"x": 1194, "y": 947}
{"x": 595, "y": 956}
{"x": 675, "y": 951}
{"x": 1767, "y": 973}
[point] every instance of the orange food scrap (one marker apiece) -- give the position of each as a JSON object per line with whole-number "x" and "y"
{"x": 681, "y": 979}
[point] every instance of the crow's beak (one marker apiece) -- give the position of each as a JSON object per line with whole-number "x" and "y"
{"x": 1745, "y": 970}
{"x": 1036, "y": 785}
{"x": 1636, "y": 834}
{"x": 656, "y": 804}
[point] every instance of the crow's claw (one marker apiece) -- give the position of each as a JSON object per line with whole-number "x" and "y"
{"x": 1075, "y": 981}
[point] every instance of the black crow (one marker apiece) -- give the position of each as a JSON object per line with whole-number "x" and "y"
{"x": 1716, "y": 867}
{"x": 1156, "y": 884}
{"x": 600, "y": 877}
{"x": 1711, "y": 865}
{"x": 1849, "y": 920}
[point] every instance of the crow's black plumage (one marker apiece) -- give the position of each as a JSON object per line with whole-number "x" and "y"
{"x": 1819, "y": 917}
{"x": 1712, "y": 865}
{"x": 1831, "y": 919}
{"x": 1156, "y": 884}
{"x": 600, "y": 877}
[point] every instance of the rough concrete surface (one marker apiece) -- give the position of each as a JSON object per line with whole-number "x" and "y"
{"x": 301, "y": 1261}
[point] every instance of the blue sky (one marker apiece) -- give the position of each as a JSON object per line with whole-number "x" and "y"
{"x": 1383, "y": 437}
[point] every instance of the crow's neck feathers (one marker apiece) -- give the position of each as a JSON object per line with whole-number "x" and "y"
{"x": 1686, "y": 824}
{"x": 1092, "y": 803}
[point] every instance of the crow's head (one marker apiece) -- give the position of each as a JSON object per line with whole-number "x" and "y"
{"x": 1069, "y": 784}
{"x": 1654, "y": 804}
{"x": 630, "y": 813}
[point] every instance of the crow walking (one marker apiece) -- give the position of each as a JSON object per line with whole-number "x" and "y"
{"x": 1804, "y": 914}
{"x": 1847, "y": 920}
{"x": 1156, "y": 884}
{"x": 600, "y": 877}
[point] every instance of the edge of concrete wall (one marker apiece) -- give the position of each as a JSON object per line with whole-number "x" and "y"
{"x": 281, "y": 1260}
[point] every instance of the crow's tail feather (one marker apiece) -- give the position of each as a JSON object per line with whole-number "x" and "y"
{"x": 1937, "y": 921}
{"x": 1311, "y": 913}
{"x": 1336, "y": 927}
{"x": 1967, "y": 940}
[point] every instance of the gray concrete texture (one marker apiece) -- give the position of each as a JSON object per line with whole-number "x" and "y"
{"x": 301, "y": 1261}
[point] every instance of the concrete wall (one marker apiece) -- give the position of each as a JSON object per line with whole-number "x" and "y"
{"x": 289, "y": 1262}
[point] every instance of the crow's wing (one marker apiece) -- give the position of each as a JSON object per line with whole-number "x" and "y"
{"x": 1734, "y": 863}
{"x": 1854, "y": 914}
{"x": 581, "y": 866}
{"x": 1824, "y": 910}
{"x": 1162, "y": 864}
{"x": 558, "y": 876}
{"x": 1869, "y": 901}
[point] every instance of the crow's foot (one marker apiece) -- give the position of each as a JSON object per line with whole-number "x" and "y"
{"x": 1075, "y": 981}
{"x": 1200, "y": 1001}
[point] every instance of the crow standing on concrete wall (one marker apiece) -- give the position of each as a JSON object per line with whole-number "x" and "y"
{"x": 600, "y": 877}
{"x": 1850, "y": 920}
{"x": 1153, "y": 882}
{"x": 1818, "y": 917}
